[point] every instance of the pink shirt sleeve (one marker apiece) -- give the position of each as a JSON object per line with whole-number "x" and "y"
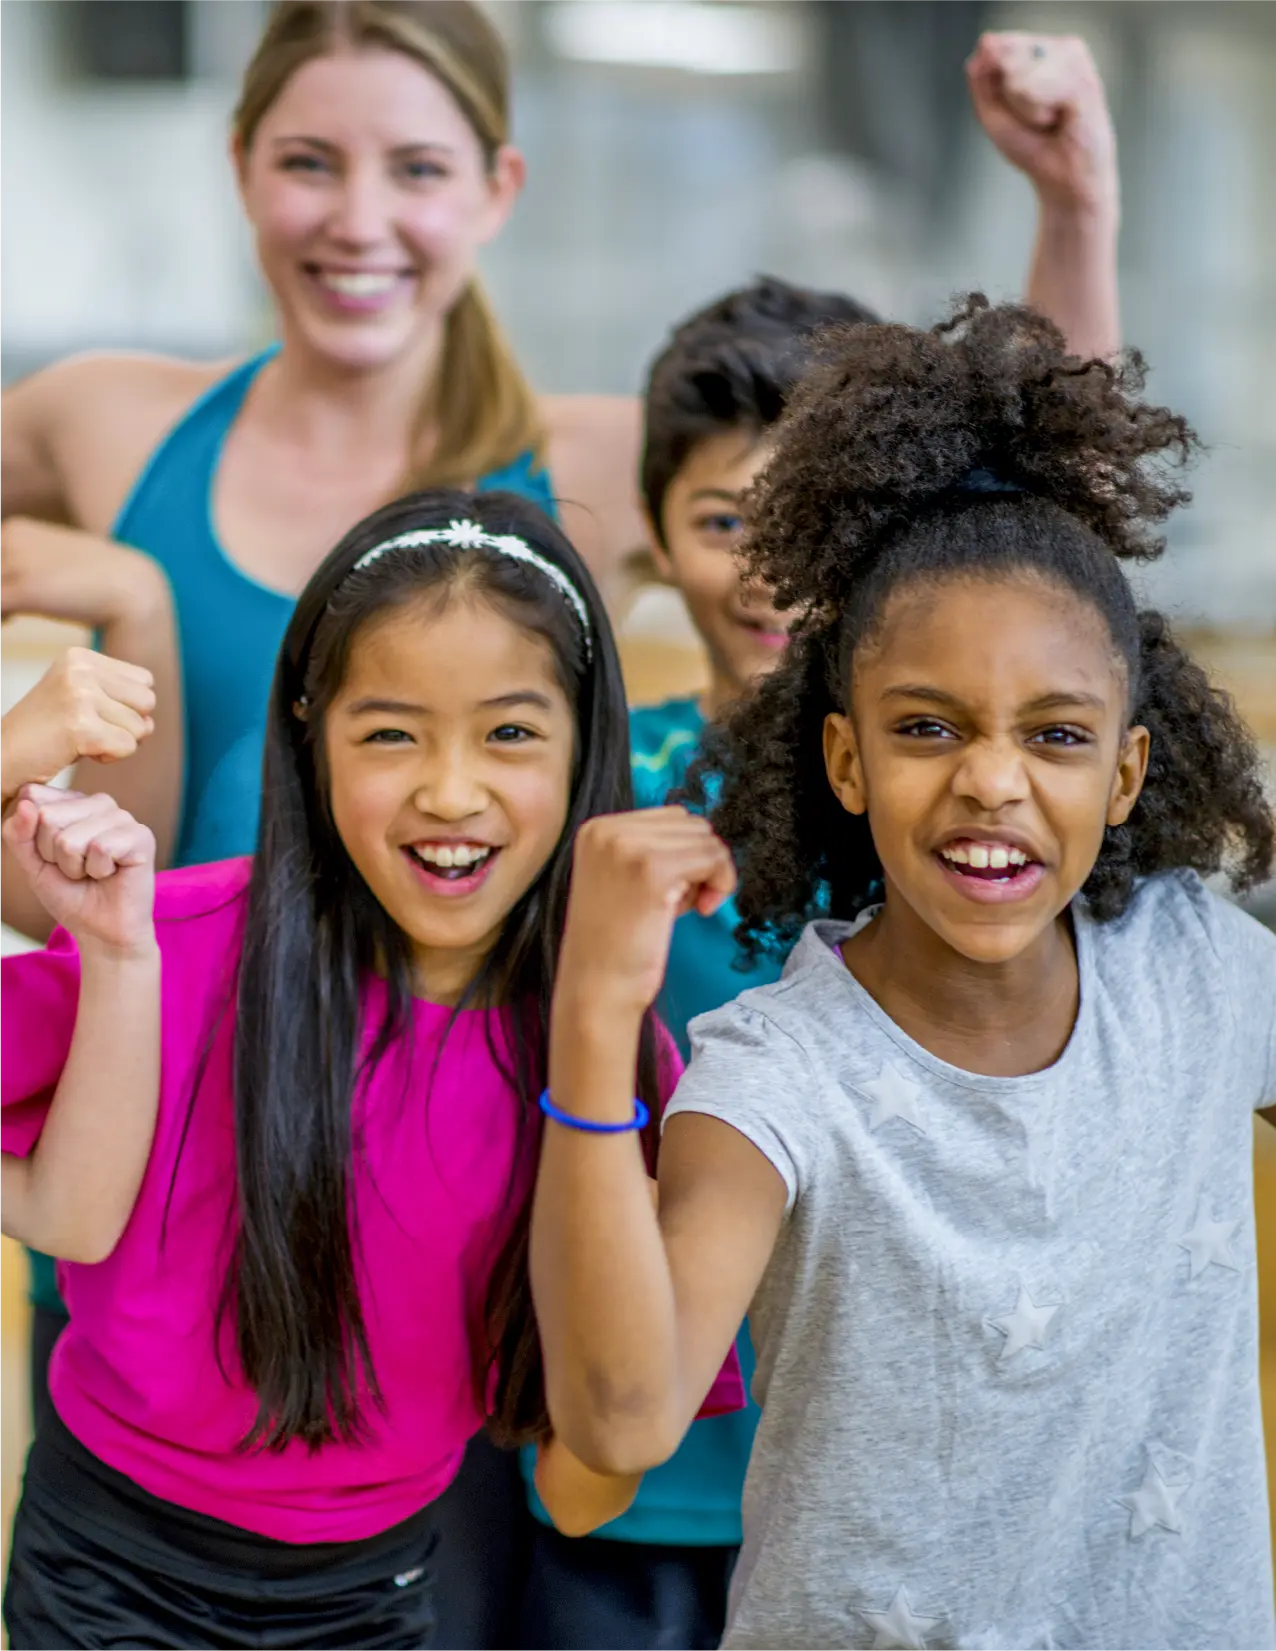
{"x": 727, "y": 1395}
{"x": 39, "y": 993}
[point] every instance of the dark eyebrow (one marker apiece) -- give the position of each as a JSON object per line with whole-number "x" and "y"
{"x": 1065, "y": 698}
{"x": 713, "y": 493}
{"x": 404, "y": 708}
{"x": 918, "y": 690}
{"x": 385, "y": 707}
{"x": 521, "y": 696}
{"x": 1044, "y": 702}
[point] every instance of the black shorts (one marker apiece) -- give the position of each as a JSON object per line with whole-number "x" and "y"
{"x": 97, "y": 1561}
{"x": 595, "y": 1594}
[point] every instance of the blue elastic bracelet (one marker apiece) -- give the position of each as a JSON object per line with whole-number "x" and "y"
{"x": 640, "y": 1119}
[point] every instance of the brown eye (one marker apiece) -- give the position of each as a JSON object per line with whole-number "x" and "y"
{"x": 1062, "y": 736}
{"x": 924, "y": 728}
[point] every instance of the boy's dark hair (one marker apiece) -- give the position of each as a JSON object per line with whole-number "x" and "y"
{"x": 731, "y": 366}
{"x": 314, "y": 935}
{"x": 977, "y": 449}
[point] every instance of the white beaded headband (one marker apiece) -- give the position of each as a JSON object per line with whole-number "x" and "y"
{"x": 470, "y": 536}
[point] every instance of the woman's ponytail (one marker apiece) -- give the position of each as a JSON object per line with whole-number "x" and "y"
{"x": 479, "y": 408}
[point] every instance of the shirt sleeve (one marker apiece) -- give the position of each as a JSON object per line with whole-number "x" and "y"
{"x": 39, "y": 996}
{"x": 668, "y": 1064}
{"x": 726, "y": 1396}
{"x": 749, "y": 1072}
{"x": 1246, "y": 952}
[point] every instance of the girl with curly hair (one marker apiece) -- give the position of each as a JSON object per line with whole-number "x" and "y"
{"x": 979, "y": 1166}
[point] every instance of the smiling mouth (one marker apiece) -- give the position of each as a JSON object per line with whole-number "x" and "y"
{"x": 771, "y": 636}
{"x": 463, "y": 862}
{"x": 995, "y": 862}
{"x": 357, "y": 287}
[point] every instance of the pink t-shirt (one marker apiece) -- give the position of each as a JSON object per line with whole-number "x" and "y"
{"x": 137, "y": 1376}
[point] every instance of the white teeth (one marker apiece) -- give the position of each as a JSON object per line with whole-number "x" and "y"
{"x": 365, "y": 285}
{"x": 984, "y": 857}
{"x": 448, "y": 855}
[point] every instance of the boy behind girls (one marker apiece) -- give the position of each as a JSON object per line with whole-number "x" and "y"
{"x": 721, "y": 382}
{"x": 712, "y": 396}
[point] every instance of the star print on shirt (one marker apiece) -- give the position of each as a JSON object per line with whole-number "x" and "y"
{"x": 893, "y": 1096}
{"x": 898, "y": 1625}
{"x": 1155, "y": 1503}
{"x": 1209, "y": 1241}
{"x": 1025, "y": 1327}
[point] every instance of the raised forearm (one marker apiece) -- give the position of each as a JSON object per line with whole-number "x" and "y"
{"x": 149, "y": 783}
{"x": 604, "y": 1297}
{"x": 1073, "y": 279}
{"x": 73, "y": 1196}
{"x": 18, "y": 907}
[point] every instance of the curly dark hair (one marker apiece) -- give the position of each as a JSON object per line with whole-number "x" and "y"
{"x": 978, "y": 449}
{"x": 731, "y": 366}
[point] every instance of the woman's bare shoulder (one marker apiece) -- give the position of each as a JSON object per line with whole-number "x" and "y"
{"x": 98, "y": 416}
{"x": 106, "y": 387}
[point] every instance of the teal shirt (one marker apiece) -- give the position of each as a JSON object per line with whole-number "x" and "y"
{"x": 694, "y": 1498}
{"x": 230, "y": 628}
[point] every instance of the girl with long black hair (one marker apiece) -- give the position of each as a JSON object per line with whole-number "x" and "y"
{"x": 322, "y": 1291}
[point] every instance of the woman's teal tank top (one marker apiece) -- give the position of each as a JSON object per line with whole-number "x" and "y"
{"x": 229, "y": 626}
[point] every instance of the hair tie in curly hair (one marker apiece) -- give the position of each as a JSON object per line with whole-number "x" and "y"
{"x": 979, "y": 479}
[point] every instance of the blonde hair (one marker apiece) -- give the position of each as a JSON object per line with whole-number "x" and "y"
{"x": 479, "y": 407}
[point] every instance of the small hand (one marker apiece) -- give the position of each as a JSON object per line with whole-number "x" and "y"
{"x": 1040, "y": 99}
{"x": 85, "y": 705}
{"x": 64, "y": 573}
{"x": 633, "y": 875}
{"x": 91, "y": 865}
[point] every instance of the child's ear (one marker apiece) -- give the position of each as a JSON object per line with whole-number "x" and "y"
{"x": 655, "y": 548}
{"x": 842, "y": 763}
{"x": 1131, "y": 771}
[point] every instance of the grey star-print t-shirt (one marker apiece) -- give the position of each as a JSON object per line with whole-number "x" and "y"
{"x": 1008, "y": 1338}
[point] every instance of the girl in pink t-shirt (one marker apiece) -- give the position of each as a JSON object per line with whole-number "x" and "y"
{"x": 321, "y": 1293}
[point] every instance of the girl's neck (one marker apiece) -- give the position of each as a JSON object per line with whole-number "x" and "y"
{"x": 1003, "y": 1020}
{"x": 444, "y": 977}
{"x": 319, "y": 405}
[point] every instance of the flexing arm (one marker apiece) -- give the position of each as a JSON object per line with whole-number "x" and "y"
{"x": 1041, "y": 101}
{"x": 64, "y": 573}
{"x": 94, "y": 868}
{"x": 87, "y": 709}
{"x": 637, "y": 1310}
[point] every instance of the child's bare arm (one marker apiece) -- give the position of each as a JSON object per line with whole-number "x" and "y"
{"x": 93, "y": 868}
{"x": 86, "y": 706}
{"x": 637, "y": 1311}
{"x": 577, "y": 1498}
{"x": 1041, "y": 100}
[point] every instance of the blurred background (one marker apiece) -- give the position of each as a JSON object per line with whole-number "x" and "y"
{"x": 675, "y": 150}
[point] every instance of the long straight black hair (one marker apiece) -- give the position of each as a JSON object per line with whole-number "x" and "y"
{"x": 314, "y": 933}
